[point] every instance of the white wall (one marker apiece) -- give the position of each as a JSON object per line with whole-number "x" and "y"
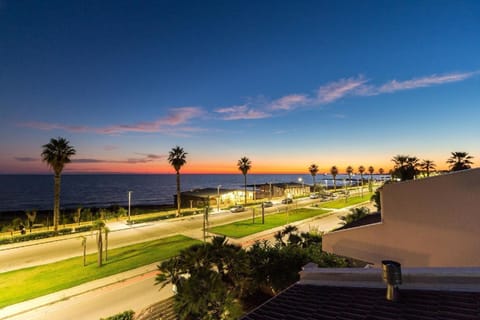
{"x": 431, "y": 222}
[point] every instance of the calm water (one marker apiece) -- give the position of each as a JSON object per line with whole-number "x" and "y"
{"x": 26, "y": 192}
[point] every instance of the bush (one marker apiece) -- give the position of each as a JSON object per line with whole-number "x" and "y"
{"x": 126, "y": 315}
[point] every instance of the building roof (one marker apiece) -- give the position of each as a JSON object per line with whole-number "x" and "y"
{"x": 309, "y": 302}
{"x": 207, "y": 192}
{"x": 360, "y": 293}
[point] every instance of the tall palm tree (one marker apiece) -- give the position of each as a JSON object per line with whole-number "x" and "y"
{"x": 334, "y": 172}
{"x": 371, "y": 170}
{"x": 361, "y": 169}
{"x": 244, "y": 165}
{"x": 177, "y": 158}
{"x": 460, "y": 161}
{"x": 428, "y": 166}
{"x": 56, "y": 154}
{"x": 406, "y": 167}
{"x": 349, "y": 172}
{"x": 381, "y": 171}
{"x": 313, "y": 171}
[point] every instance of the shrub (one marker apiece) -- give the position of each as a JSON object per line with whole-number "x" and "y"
{"x": 126, "y": 315}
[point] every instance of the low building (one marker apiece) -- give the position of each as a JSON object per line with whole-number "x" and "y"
{"x": 214, "y": 197}
{"x": 281, "y": 190}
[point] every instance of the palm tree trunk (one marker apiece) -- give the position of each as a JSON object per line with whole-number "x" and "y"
{"x": 100, "y": 247}
{"x": 56, "y": 202}
{"x": 178, "y": 194}
{"x": 245, "y": 185}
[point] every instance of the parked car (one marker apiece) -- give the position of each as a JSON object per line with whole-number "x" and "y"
{"x": 237, "y": 208}
{"x": 287, "y": 200}
{"x": 314, "y": 196}
{"x": 267, "y": 204}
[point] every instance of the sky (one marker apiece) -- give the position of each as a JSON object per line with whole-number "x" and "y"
{"x": 285, "y": 83}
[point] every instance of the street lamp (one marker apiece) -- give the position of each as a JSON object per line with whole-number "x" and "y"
{"x": 218, "y": 197}
{"x": 303, "y": 186}
{"x": 129, "y": 200}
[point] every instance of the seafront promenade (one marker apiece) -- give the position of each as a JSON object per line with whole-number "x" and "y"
{"x": 118, "y": 287}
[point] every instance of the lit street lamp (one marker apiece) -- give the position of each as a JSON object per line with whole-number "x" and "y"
{"x": 303, "y": 185}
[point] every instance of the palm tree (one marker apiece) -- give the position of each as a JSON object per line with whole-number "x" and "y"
{"x": 361, "y": 169}
{"x": 349, "y": 172}
{"x": 177, "y": 159}
{"x": 406, "y": 167}
{"x": 371, "y": 170}
{"x": 56, "y": 154}
{"x": 460, "y": 161}
{"x": 381, "y": 171}
{"x": 313, "y": 171}
{"x": 100, "y": 226}
{"x": 244, "y": 165}
{"x": 428, "y": 166}
{"x": 334, "y": 172}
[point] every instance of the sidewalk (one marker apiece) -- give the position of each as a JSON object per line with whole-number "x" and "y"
{"x": 26, "y": 306}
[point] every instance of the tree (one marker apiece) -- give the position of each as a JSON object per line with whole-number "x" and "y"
{"x": 334, "y": 172}
{"x": 313, "y": 171}
{"x": 77, "y": 215}
{"x": 244, "y": 165}
{"x": 349, "y": 171}
{"x": 428, "y": 166}
{"x": 406, "y": 167}
{"x": 177, "y": 159}
{"x": 460, "y": 161}
{"x": 381, "y": 171}
{"x": 361, "y": 169}
{"x": 354, "y": 215}
{"x": 31, "y": 215}
{"x": 100, "y": 225}
{"x": 218, "y": 277}
{"x": 84, "y": 245}
{"x": 371, "y": 170}
{"x": 57, "y": 154}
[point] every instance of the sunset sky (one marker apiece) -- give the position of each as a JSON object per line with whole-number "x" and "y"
{"x": 285, "y": 83}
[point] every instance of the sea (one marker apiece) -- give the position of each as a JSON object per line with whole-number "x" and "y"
{"x": 35, "y": 192}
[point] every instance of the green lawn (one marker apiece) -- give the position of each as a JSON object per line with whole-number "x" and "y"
{"x": 244, "y": 228}
{"x": 20, "y": 285}
{"x": 340, "y": 203}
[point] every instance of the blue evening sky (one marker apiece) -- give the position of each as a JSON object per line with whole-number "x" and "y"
{"x": 285, "y": 83}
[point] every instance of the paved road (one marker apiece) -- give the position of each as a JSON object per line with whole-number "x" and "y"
{"x": 137, "y": 291}
{"x": 34, "y": 253}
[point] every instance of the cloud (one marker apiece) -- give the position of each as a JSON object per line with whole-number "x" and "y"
{"x": 147, "y": 158}
{"x": 176, "y": 117}
{"x": 26, "y": 159}
{"x": 338, "y": 89}
{"x": 172, "y": 123}
{"x": 110, "y": 147}
{"x": 289, "y": 102}
{"x": 241, "y": 112}
{"x": 428, "y": 81}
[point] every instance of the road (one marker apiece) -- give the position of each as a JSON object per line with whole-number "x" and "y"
{"x": 139, "y": 291}
{"x": 34, "y": 253}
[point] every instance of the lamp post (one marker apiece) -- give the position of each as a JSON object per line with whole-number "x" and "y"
{"x": 303, "y": 185}
{"x": 218, "y": 197}
{"x": 129, "y": 200}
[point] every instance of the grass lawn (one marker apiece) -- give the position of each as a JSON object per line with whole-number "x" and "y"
{"x": 244, "y": 228}
{"x": 20, "y": 285}
{"x": 340, "y": 203}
